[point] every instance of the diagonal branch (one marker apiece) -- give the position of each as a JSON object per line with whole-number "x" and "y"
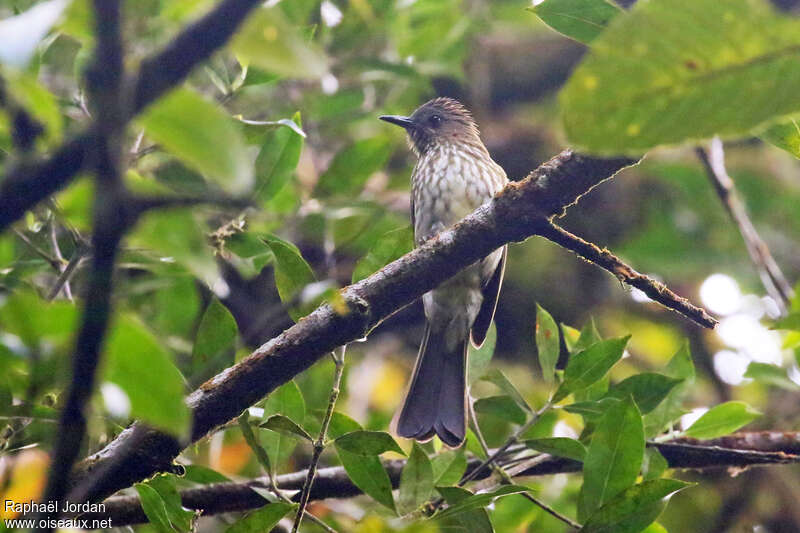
{"x": 334, "y": 482}
{"x": 768, "y": 270}
{"x": 655, "y": 290}
{"x": 30, "y": 182}
{"x": 513, "y": 215}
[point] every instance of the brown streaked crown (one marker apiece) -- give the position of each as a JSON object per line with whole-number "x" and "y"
{"x": 439, "y": 120}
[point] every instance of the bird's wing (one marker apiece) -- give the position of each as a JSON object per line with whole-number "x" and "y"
{"x": 490, "y": 291}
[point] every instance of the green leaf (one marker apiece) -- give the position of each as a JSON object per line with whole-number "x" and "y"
{"x": 468, "y": 521}
{"x": 203, "y": 475}
{"x": 546, "y": 342}
{"x": 784, "y": 135}
{"x": 182, "y": 520}
{"x": 277, "y": 159}
{"x": 448, "y": 467}
{"x": 264, "y": 519}
{"x": 368, "y": 474}
{"x": 204, "y": 137}
{"x": 268, "y": 41}
{"x": 669, "y": 410}
{"x": 387, "y": 248}
{"x": 477, "y": 501}
{"x": 177, "y": 235}
{"x": 292, "y": 273}
{"x": 216, "y": 336}
{"x": 38, "y": 101}
{"x": 590, "y": 365}
{"x": 479, "y": 358}
{"x": 613, "y": 458}
{"x": 352, "y": 166}
{"x": 589, "y": 335}
{"x": 22, "y": 33}
{"x": 33, "y": 319}
{"x": 790, "y": 322}
{"x": 591, "y": 410}
{"x": 559, "y": 446}
{"x": 154, "y": 508}
{"x": 634, "y": 509}
{"x": 503, "y": 407}
{"x": 648, "y": 389}
{"x": 582, "y": 20}
{"x": 722, "y": 419}
{"x": 496, "y": 376}
{"x": 363, "y": 442}
{"x": 340, "y": 424}
{"x": 730, "y": 66}
{"x": 287, "y": 426}
{"x": 654, "y": 464}
{"x": 286, "y": 400}
{"x": 771, "y": 375}
{"x": 416, "y": 481}
{"x": 142, "y": 368}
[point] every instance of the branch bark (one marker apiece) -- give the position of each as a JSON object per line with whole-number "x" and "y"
{"x": 334, "y": 483}
{"x": 32, "y": 181}
{"x": 514, "y": 214}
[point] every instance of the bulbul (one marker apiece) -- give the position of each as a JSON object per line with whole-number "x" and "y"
{"x": 454, "y": 175}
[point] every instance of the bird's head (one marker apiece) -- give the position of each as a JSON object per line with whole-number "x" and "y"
{"x": 441, "y": 120}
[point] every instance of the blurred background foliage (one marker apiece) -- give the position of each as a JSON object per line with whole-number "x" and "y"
{"x": 287, "y": 115}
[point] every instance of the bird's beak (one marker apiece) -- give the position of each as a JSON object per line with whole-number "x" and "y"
{"x": 399, "y": 120}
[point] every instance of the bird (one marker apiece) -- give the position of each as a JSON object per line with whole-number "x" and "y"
{"x": 453, "y": 176}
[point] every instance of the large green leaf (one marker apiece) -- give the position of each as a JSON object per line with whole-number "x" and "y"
{"x": 582, "y": 20}
{"x": 201, "y": 135}
{"x": 771, "y": 375}
{"x": 286, "y": 400}
{"x": 466, "y": 521}
{"x": 634, "y": 509}
{"x": 264, "y": 519}
{"x": 496, "y": 376}
{"x": 368, "y": 474}
{"x": 722, "y": 419}
{"x": 784, "y": 135}
{"x": 362, "y": 442}
{"x": 154, "y": 508}
{"x": 675, "y": 70}
{"x": 648, "y": 389}
{"x": 477, "y": 501}
{"x": 216, "y": 336}
{"x": 479, "y": 358}
{"x": 416, "y": 481}
{"x": 387, "y": 248}
{"x": 142, "y": 368}
{"x": 613, "y": 458}
{"x": 669, "y": 410}
{"x": 587, "y": 367}
{"x": 547, "y": 343}
{"x": 448, "y": 467}
{"x": 503, "y": 407}
{"x": 292, "y": 273}
{"x": 182, "y": 520}
{"x": 352, "y": 166}
{"x": 559, "y": 446}
{"x": 277, "y": 159}
{"x": 270, "y": 42}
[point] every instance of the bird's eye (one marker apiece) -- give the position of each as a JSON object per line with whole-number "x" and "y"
{"x": 435, "y": 120}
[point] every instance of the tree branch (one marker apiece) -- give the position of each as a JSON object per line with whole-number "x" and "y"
{"x": 513, "y": 215}
{"x": 30, "y": 182}
{"x": 657, "y": 291}
{"x": 105, "y": 81}
{"x": 768, "y": 270}
{"x": 334, "y": 483}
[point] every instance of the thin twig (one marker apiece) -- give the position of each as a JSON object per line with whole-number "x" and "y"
{"x": 263, "y": 460}
{"x": 63, "y": 265}
{"x": 506, "y": 478}
{"x": 656, "y": 290}
{"x": 768, "y": 270}
{"x": 319, "y": 445}
{"x": 39, "y": 250}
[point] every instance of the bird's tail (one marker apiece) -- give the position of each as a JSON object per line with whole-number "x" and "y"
{"x": 436, "y": 400}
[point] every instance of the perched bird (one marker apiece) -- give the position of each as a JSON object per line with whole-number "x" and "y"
{"x": 454, "y": 175}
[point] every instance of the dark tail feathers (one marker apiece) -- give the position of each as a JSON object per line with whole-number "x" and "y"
{"x": 436, "y": 400}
